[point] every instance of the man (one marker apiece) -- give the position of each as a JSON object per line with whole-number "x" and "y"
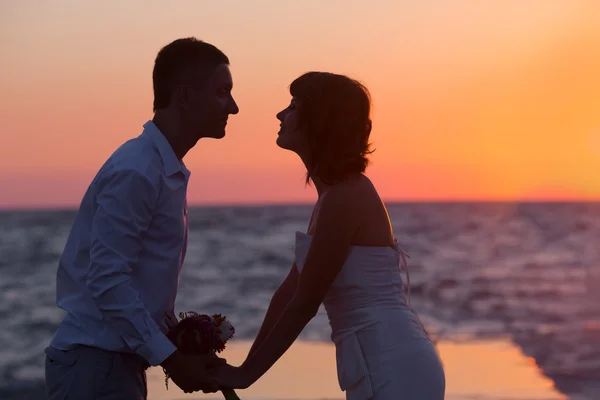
{"x": 118, "y": 275}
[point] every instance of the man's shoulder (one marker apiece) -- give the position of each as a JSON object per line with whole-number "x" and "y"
{"x": 135, "y": 156}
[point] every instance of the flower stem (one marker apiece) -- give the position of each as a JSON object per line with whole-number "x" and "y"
{"x": 229, "y": 394}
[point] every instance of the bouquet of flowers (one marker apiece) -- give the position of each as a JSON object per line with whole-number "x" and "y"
{"x": 202, "y": 334}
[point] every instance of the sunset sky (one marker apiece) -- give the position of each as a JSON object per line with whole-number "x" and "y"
{"x": 473, "y": 100}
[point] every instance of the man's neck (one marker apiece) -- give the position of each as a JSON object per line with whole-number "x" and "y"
{"x": 173, "y": 136}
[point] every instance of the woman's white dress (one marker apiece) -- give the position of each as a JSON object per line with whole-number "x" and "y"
{"x": 382, "y": 350}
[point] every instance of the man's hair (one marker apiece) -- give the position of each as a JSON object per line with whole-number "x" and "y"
{"x": 179, "y": 61}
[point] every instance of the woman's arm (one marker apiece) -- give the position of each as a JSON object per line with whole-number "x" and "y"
{"x": 334, "y": 230}
{"x": 279, "y": 301}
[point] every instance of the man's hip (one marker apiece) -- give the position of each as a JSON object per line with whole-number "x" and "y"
{"x": 88, "y": 372}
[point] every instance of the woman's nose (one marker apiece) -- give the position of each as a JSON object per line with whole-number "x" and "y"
{"x": 281, "y": 115}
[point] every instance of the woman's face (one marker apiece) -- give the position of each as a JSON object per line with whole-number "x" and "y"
{"x": 291, "y": 136}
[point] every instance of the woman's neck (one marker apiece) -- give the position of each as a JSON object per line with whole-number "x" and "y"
{"x": 321, "y": 186}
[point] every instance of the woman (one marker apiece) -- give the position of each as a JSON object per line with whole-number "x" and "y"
{"x": 348, "y": 259}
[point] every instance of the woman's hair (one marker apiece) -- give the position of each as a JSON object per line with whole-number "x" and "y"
{"x": 334, "y": 112}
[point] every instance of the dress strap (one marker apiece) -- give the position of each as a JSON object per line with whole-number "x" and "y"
{"x": 404, "y": 265}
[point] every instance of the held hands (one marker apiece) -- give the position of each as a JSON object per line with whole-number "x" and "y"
{"x": 193, "y": 373}
{"x": 227, "y": 376}
{"x": 206, "y": 373}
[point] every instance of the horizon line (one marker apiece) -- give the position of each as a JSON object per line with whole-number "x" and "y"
{"x": 300, "y": 203}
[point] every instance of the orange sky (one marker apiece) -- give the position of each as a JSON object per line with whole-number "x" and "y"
{"x": 472, "y": 100}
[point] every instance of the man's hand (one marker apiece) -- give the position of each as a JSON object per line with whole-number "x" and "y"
{"x": 170, "y": 320}
{"x": 192, "y": 372}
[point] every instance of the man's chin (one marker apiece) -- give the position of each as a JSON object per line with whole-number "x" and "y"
{"x": 214, "y": 135}
{"x": 218, "y": 134}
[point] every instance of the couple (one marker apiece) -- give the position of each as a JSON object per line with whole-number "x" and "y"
{"x": 118, "y": 275}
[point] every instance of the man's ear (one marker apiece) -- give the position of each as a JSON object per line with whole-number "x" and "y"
{"x": 182, "y": 97}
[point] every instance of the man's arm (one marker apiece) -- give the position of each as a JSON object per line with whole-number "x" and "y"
{"x": 124, "y": 212}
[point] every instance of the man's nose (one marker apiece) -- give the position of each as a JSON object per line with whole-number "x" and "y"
{"x": 233, "y": 107}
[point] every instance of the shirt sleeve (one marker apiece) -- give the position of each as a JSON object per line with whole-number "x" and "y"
{"x": 124, "y": 212}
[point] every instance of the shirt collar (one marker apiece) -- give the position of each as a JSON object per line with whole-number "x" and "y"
{"x": 170, "y": 161}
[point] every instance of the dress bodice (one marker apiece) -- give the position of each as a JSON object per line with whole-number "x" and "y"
{"x": 367, "y": 310}
{"x": 370, "y": 278}
{"x": 382, "y": 350}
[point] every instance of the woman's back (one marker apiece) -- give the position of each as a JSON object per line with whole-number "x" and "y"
{"x": 375, "y": 228}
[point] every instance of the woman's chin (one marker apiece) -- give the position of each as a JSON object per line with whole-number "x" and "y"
{"x": 281, "y": 142}
{"x": 286, "y": 144}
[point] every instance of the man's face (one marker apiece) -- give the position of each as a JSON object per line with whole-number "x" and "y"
{"x": 210, "y": 104}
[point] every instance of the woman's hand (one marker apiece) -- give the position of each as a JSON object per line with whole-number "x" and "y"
{"x": 228, "y": 376}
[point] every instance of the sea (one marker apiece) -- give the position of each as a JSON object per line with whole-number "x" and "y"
{"x": 529, "y": 272}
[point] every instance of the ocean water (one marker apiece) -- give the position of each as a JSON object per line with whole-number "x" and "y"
{"x": 529, "y": 272}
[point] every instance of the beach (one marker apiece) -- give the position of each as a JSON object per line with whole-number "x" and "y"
{"x": 486, "y": 370}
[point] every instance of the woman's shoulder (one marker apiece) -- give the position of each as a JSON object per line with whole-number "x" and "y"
{"x": 351, "y": 197}
{"x": 357, "y": 189}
